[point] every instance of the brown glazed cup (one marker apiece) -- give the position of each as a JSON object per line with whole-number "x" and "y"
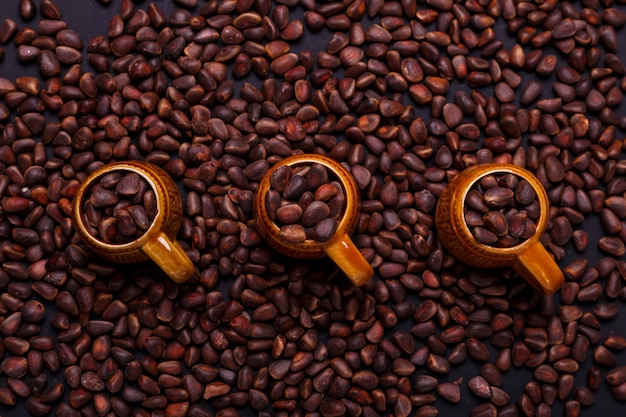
{"x": 530, "y": 259}
{"x": 339, "y": 248}
{"x": 159, "y": 241}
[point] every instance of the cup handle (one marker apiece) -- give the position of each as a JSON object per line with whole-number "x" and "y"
{"x": 349, "y": 259}
{"x": 538, "y": 268}
{"x": 169, "y": 256}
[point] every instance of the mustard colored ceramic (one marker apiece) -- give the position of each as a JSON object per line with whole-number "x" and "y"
{"x": 159, "y": 241}
{"x": 340, "y": 247}
{"x": 530, "y": 258}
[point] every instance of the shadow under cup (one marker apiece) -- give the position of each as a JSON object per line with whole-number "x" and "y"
{"x": 529, "y": 258}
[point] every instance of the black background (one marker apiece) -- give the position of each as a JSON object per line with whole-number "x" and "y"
{"x": 91, "y": 18}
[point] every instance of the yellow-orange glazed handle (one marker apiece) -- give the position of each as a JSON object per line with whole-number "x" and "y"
{"x": 349, "y": 259}
{"x": 169, "y": 256}
{"x": 538, "y": 268}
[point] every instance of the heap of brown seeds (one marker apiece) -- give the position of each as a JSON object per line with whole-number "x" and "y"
{"x": 405, "y": 94}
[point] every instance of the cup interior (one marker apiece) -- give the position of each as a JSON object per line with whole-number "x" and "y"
{"x": 538, "y": 220}
{"x": 333, "y": 177}
{"x": 87, "y": 223}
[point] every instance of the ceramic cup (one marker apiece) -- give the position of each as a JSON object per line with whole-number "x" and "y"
{"x": 339, "y": 248}
{"x": 159, "y": 241}
{"x": 529, "y": 258}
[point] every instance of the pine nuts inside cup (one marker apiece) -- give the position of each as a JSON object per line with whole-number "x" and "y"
{"x": 119, "y": 208}
{"x": 501, "y": 210}
{"x": 305, "y": 202}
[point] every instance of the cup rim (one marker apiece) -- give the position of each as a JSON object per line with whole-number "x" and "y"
{"x": 342, "y": 176}
{"x": 79, "y": 200}
{"x": 541, "y": 198}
